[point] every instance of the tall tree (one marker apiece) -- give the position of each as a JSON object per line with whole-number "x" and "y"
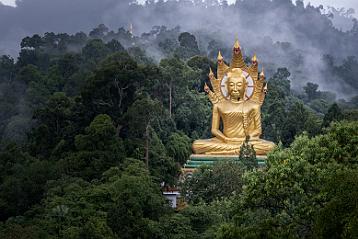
{"x": 311, "y": 90}
{"x": 96, "y": 151}
{"x": 111, "y": 90}
{"x": 173, "y": 71}
{"x": 141, "y": 117}
{"x": 334, "y": 114}
{"x": 138, "y": 203}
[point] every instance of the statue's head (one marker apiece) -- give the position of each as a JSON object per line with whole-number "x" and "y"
{"x": 236, "y": 84}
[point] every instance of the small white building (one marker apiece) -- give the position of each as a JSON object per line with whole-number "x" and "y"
{"x": 172, "y": 197}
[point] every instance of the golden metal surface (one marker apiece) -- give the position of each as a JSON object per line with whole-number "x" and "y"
{"x": 239, "y": 115}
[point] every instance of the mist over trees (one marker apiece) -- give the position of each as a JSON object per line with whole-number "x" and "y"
{"x": 284, "y": 34}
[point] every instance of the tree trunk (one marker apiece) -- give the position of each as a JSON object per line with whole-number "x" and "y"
{"x": 147, "y": 146}
{"x": 170, "y": 98}
{"x": 118, "y": 129}
{"x": 120, "y": 91}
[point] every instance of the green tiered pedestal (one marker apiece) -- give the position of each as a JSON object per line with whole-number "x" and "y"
{"x": 196, "y": 161}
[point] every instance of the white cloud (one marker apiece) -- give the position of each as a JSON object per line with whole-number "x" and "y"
{"x": 8, "y": 2}
{"x": 337, "y": 4}
{"x": 334, "y": 3}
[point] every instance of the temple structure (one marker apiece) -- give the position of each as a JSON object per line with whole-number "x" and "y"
{"x": 237, "y": 94}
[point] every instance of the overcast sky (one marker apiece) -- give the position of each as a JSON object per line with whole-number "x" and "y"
{"x": 40, "y": 16}
{"x": 334, "y": 3}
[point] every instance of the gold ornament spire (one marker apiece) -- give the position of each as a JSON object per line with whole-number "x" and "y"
{"x": 237, "y": 44}
{"x": 237, "y": 58}
{"x": 222, "y": 67}
{"x": 254, "y": 58}
{"x": 211, "y": 73}
{"x": 206, "y": 88}
{"x": 220, "y": 57}
{"x": 260, "y": 88}
{"x": 215, "y": 83}
{"x": 213, "y": 97}
{"x": 262, "y": 74}
{"x": 253, "y": 69}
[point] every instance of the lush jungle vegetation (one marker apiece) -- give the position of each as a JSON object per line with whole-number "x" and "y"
{"x": 91, "y": 125}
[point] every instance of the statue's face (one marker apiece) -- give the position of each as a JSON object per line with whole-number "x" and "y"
{"x": 236, "y": 87}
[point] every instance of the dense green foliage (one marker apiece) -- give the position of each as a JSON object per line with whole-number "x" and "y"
{"x": 89, "y": 130}
{"x": 211, "y": 183}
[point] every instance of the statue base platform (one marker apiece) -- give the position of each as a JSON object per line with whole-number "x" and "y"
{"x": 197, "y": 160}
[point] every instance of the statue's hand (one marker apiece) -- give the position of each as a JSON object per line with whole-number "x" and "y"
{"x": 235, "y": 140}
{"x": 254, "y": 137}
{"x": 226, "y": 139}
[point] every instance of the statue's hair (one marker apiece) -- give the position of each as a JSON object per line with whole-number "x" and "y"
{"x": 236, "y": 72}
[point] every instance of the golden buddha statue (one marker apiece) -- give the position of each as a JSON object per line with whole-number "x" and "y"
{"x": 237, "y": 95}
